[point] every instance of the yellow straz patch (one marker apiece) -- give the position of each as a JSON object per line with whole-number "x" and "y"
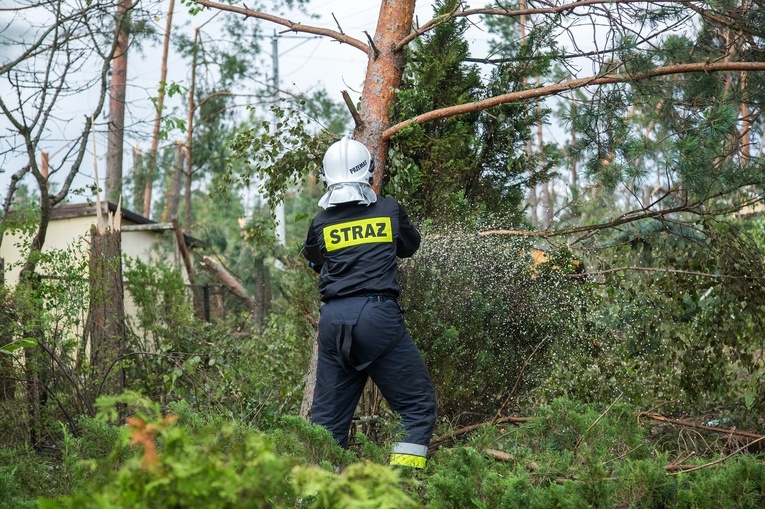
{"x": 354, "y": 233}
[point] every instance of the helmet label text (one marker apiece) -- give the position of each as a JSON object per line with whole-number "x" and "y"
{"x": 358, "y": 167}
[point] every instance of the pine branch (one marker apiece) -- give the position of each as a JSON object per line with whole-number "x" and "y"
{"x": 518, "y": 380}
{"x": 581, "y": 437}
{"x": 358, "y": 123}
{"x": 671, "y": 271}
{"x": 436, "y": 442}
{"x": 564, "y": 86}
{"x": 677, "y": 469}
{"x": 438, "y": 20}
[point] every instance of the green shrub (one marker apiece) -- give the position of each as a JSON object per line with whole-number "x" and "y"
{"x": 224, "y": 466}
{"x": 295, "y": 438}
{"x": 478, "y": 309}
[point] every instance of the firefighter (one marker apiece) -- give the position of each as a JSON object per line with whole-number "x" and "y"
{"x": 354, "y": 245}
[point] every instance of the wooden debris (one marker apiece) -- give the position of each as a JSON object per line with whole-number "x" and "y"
{"x": 229, "y": 280}
{"x": 499, "y": 455}
{"x": 436, "y": 442}
{"x": 690, "y": 424}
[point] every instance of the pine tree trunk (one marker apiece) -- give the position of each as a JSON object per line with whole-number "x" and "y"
{"x": 35, "y": 395}
{"x": 262, "y": 294}
{"x": 7, "y": 380}
{"x": 746, "y": 129}
{"x": 189, "y": 138}
{"x": 173, "y": 194}
{"x": 383, "y": 77}
{"x": 533, "y": 200}
{"x": 152, "y": 167}
{"x": 310, "y": 381}
{"x": 547, "y": 205}
{"x": 106, "y": 323}
{"x": 574, "y": 185}
{"x": 138, "y": 179}
{"x": 116, "y": 136}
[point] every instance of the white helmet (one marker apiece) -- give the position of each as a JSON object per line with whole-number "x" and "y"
{"x": 347, "y": 161}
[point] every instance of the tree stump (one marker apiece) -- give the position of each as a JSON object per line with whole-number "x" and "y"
{"x": 106, "y": 320}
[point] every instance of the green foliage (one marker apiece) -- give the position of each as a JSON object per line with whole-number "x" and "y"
{"x": 277, "y": 162}
{"x": 567, "y": 454}
{"x": 11, "y": 347}
{"x": 690, "y": 334}
{"x": 219, "y": 467}
{"x": 26, "y": 474}
{"x": 458, "y": 167}
{"x": 229, "y": 366}
{"x": 478, "y": 309}
{"x": 162, "y": 310}
{"x": 208, "y": 470}
{"x": 742, "y": 485}
{"x": 193, "y": 7}
{"x": 332, "y": 116}
{"x": 42, "y": 320}
{"x": 295, "y": 438}
{"x": 362, "y": 485}
{"x": 581, "y": 456}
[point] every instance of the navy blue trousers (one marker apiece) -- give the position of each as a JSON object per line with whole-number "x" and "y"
{"x": 399, "y": 372}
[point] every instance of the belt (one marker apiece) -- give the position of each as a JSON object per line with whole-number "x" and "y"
{"x": 380, "y": 298}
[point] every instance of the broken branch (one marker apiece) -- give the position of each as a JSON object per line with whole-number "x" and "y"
{"x": 688, "y": 424}
{"x": 229, "y": 280}
{"x": 467, "y": 429}
{"x": 352, "y": 108}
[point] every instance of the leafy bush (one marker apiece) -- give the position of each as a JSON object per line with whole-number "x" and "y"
{"x": 220, "y": 467}
{"x": 229, "y": 366}
{"x": 478, "y": 308}
{"x": 691, "y": 335}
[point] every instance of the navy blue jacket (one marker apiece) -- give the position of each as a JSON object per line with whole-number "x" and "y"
{"x": 355, "y": 248}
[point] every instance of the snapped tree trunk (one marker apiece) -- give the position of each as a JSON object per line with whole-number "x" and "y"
{"x": 229, "y": 280}
{"x": 310, "y": 381}
{"x": 106, "y": 320}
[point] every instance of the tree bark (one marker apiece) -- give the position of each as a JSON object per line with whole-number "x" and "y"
{"x": 152, "y": 168}
{"x": 117, "y": 88}
{"x": 7, "y": 379}
{"x": 310, "y": 381}
{"x": 138, "y": 179}
{"x": 106, "y": 320}
{"x": 262, "y": 293}
{"x": 189, "y": 137}
{"x": 173, "y": 194}
{"x": 383, "y": 77}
